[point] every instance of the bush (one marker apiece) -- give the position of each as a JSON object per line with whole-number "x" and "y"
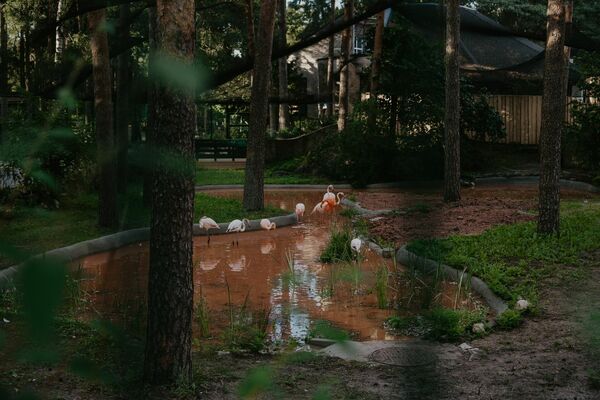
{"x": 338, "y": 248}
{"x": 447, "y": 324}
{"x": 509, "y": 319}
{"x": 47, "y": 154}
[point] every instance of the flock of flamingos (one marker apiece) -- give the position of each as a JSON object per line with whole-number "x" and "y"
{"x": 325, "y": 206}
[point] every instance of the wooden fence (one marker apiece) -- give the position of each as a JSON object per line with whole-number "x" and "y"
{"x": 522, "y": 116}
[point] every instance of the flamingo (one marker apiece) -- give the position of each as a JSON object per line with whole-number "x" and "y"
{"x": 326, "y": 205}
{"x": 329, "y": 196}
{"x": 237, "y": 226}
{"x": 267, "y": 224}
{"x": 300, "y": 210}
{"x": 208, "y": 224}
{"x": 320, "y": 207}
{"x": 356, "y": 244}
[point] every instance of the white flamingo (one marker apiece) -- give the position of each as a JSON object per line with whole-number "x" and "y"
{"x": 267, "y": 224}
{"x": 300, "y": 208}
{"x": 356, "y": 244}
{"x": 208, "y": 224}
{"x": 237, "y": 226}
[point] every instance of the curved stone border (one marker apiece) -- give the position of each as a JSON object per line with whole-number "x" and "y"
{"x": 363, "y": 212}
{"x": 430, "y": 266}
{"x": 124, "y": 238}
{"x": 533, "y": 179}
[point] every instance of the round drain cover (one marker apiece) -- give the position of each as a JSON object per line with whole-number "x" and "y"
{"x": 404, "y": 356}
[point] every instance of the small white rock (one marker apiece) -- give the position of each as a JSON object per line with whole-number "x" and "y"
{"x": 522, "y": 305}
{"x": 465, "y": 347}
{"x": 478, "y": 327}
{"x": 5, "y": 320}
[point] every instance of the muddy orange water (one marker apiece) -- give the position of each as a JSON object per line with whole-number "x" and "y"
{"x": 278, "y": 271}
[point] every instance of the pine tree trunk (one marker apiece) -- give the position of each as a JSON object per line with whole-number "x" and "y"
{"x": 553, "y": 112}
{"x": 346, "y": 50}
{"x": 452, "y": 111}
{"x": 259, "y": 108}
{"x": 251, "y": 31}
{"x": 170, "y": 280}
{"x": 377, "y": 53}
{"x": 123, "y": 100}
{"x": 3, "y": 54}
{"x": 284, "y": 108}
{"x": 331, "y": 66}
{"x": 151, "y": 94}
{"x": 102, "y": 76}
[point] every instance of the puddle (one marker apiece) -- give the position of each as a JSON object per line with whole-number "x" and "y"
{"x": 257, "y": 273}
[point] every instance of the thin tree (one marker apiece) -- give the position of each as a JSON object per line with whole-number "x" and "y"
{"x": 168, "y": 356}
{"x": 151, "y": 94}
{"x": 553, "y": 112}
{"x": 259, "y": 108}
{"x": 123, "y": 99}
{"x": 105, "y": 138}
{"x": 377, "y": 53}
{"x": 331, "y": 66}
{"x": 284, "y": 108}
{"x": 452, "y": 109}
{"x": 345, "y": 52}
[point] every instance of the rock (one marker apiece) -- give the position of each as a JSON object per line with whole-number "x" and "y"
{"x": 465, "y": 347}
{"x": 522, "y": 305}
{"x": 478, "y": 327}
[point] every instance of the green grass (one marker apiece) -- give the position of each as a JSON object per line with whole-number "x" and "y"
{"x": 514, "y": 259}
{"x": 35, "y": 230}
{"x": 213, "y": 176}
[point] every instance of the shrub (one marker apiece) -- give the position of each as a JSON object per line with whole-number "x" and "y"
{"x": 509, "y": 319}
{"x": 338, "y": 248}
{"x": 447, "y": 324}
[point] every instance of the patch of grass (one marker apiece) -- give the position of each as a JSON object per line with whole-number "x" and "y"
{"x": 229, "y": 176}
{"x": 446, "y": 324}
{"x": 338, "y": 248}
{"x": 514, "y": 259}
{"x": 35, "y": 230}
{"x": 509, "y": 319}
{"x": 225, "y": 209}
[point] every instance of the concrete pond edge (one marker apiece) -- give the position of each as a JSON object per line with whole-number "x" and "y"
{"x": 429, "y": 266}
{"x": 124, "y": 238}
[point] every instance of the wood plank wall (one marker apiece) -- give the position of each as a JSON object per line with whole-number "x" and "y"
{"x": 522, "y": 116}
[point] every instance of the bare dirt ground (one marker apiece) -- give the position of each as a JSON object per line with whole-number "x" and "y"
{"x": 425, "y": 215}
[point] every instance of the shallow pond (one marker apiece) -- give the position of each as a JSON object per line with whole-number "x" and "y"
{"x": 276, "y": 272}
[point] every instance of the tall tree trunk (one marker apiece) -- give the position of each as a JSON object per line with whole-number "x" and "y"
{"x": 452, "y": 117}
{"x": 60, "y": 37}
{"x": 553, "y": 114}
{"x": 259, "y": 106}
{"x": 52, "y": 16}
{"x": 251, "y": 30}
{"x": 377, "y": 54}
{"x": 331, "y": 66}
{"x": 22, "y": 60}
{"x": 170, "y": 283}
{"x": 123, "y": 99}
{"x": 3, "y": 53}
{"x": 107, "y": 191}
{"x": 284, "y": 108}
{"x": 346, "y": 50}
{"x": 151, "y": 94}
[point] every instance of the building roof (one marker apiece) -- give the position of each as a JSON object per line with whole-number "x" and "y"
{"x": 500, "y": 61}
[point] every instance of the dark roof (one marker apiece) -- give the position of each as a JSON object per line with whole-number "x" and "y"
{"x": 503, "y": 60}
{"x": 478, "y": 50}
